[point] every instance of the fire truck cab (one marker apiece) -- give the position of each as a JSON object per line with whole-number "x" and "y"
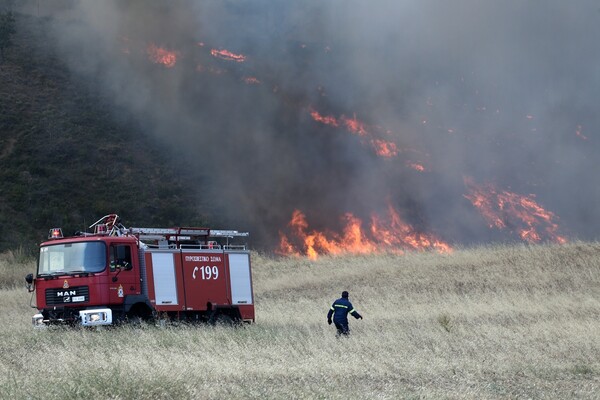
{"x": 116, "y": 274}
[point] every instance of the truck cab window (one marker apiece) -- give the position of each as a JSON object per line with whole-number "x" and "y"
{"x": 120, "y": 257}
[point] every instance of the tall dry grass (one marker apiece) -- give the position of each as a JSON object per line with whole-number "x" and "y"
{"x": 497, "y": 322}
{"x": 13, "y": 265}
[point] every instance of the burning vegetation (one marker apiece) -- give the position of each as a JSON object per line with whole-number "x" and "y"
{"x": 312, "y": 137}
{"x": 387, "y": 233}
{"x": 384, "y": 232}
{"x": 516, "y": 213}
{"x": 160, "y": 55}
{"x": 227, "y": 55}
{"x": 382, "y": 148}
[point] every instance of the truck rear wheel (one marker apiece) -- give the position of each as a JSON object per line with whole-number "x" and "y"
{"x": 139, "y": 313}
{"x": 219, "y": 317}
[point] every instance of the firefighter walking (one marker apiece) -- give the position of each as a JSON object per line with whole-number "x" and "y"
{"x": 340, "y": 310}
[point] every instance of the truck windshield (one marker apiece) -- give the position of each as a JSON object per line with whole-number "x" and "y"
{"x": 72, "y": 257}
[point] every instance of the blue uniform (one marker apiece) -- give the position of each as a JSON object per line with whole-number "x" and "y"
{"x": 340, "y": 310}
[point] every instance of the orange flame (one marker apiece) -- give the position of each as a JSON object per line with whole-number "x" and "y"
{"x": 416, "y": 166}
{"x": 502, "y": 209}
{"x": 327, "y": 120}
{"x": 398, "y": 233}
{"x": 355, "y": 126}
{"x": 227, "y": 55}
{"x": 382, "y": 148}
{"x": 160, "y": 55}
{"x": 285, "y": 247}
{"x": 391, "y": 235}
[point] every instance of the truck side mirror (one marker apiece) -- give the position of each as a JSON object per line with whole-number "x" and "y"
{"x": 29, "y": 280}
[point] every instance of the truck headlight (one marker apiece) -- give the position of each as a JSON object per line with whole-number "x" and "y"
{"x": 100, "y": 316}
{"x": 37, "y": 320}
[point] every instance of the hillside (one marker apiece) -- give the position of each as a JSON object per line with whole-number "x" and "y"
{"x": 484, "y": 323}
{"x": 68, "y": 156}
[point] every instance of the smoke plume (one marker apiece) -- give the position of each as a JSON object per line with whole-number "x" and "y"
{"x": 336, "y": 108}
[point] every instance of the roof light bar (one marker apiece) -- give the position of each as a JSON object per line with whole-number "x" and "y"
{"x": 55, "y": 233}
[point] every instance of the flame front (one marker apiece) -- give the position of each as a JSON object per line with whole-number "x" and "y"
{"x": 502, "y": 210}
{"x": 507, "y": 210}
{"x": 160, "y": 55}
{"x": 382, "y": 148}
{"x": 324, "y": 119}
{"x": 355, "y": 126}
{"x": 416, "y": 166}
{"x": 227, "y": 55}
{"x": 391, "y": 234}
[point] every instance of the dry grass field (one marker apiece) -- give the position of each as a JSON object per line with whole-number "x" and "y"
{"x": 499, "y": 322}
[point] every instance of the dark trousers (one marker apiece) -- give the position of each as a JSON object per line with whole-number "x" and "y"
{"x": 342, "y": 328}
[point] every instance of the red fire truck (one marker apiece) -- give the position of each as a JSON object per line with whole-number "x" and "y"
{"x": 117, "y": 274}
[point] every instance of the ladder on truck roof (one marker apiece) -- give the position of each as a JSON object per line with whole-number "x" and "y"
{"x": 165, "y": 233}
{"x": 111, "y": 225}
{"x": 176, "y": 237}
{"x": 168, "y": 233}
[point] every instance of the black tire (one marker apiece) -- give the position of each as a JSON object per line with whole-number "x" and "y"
{"x": 222, "y": 319}
{"x": 139, "y": 314}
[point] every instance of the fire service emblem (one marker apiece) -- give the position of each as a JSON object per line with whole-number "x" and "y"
{"x": 65, "y": 284}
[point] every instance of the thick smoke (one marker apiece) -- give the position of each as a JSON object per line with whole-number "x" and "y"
{"x": 500, "y": 92}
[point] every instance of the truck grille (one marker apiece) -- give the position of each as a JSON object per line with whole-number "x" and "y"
{"x": 75, "y": 295}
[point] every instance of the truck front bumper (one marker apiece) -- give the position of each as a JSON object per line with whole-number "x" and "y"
{"x": 91, "y": 317}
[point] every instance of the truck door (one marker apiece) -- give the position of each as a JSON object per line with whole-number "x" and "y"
{"x": 124, "y": 279}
